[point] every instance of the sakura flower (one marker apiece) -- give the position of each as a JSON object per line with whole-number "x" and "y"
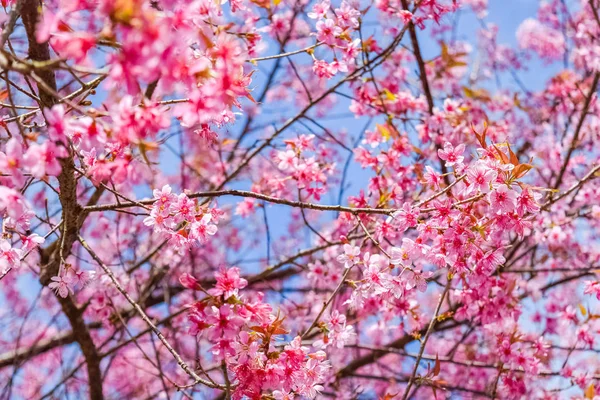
{"x": 347, "y": 16}
{"x": 352, "y": 51}
{"x": 42, "y": 159}
{"x": 223, "y": 348}
{"x": 157, "y": 219}
{"x": 338, "y": 66}
{"x": 15, "y": 206}
{"x": 31, "y": 242}
{"x": 61, "y": 285}
{"x": 228, "y": 283}
{"x": 350, "y": 256}
{"x": 184, "y": 209}
{"x": 282, "y": 395}
{"x": 431, "y": 177}
{"x": 319, "y": 9}
{"x": 87, "y": 133}
{"x": 406, "y": 217}
{"x": 328, "y": 31}
{"x": 78, "y": 276}
{"x": 452, "y": 155}
{"x": 224, "y": 322}
{"x": 245, "y": 208}
{"x": 189, "y": 282}
{"x": 323, "y": 70}
{"x": 547, "y": 42}
{"x": 398, "y": 256}
{"x": 491, "y": 260}
{"x": 527, "y": 202}
{"x": 58, "y": 123}
{"x": 246, "y": 348}
{"x": 591, "y": 287}
{"x": 339, "y": 334}
{"x": 9, "y": 256}
{"x": 405, "y": 15}
{"x": 418, "y": 280}
{"x": 503, "y": 199}
{"x": 73, "y": 45}
{"x": 373, "y": 275}
{"x": 480, "y": 178}
{"x": 164, "y": 195}
{"x": 585, "y": 336}
{"x": 11, "y": 161}
{"x": 311, "y": 391}
{"x": 200, "y": 230}
{"x": 287, "y": 160}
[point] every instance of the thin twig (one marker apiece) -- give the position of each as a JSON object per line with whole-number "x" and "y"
{"x": 145, "y": 317}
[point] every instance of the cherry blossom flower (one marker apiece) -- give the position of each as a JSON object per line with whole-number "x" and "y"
{"x": 350, "y": 256}
{"x": 288, "y": 160}
{"x": 61, "y": 284}
{"x": 200, "y": 230}
{"x": 328, "y": 31}
{"x": 591, "y": 287}
{"x": 475, "y": 187}
{"x": 42, "y": 159}
{"x": 546, "y": 41}
{"x": 319, "y": 9}
{"x": 451, "y": 154}
{"x": 406, "y": 217}
{"x": 481, "y": 178}
{"x": 503, "y": 199}
{"x": 11, "y": 161}
{"x": 9, "y": 256}
{"x": 31, "y": 242}
{"x": 228, "y": 283}
{"x": 189, "y": 282}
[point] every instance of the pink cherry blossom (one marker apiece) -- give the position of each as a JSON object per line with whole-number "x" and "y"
{"x": 328, "y": 31}
{"x": 61, "y": 284}
{"x": 11, "y": 161}
{"x": 9, "y": 257}
{"x": 42, "y": 159}
{"x": 350, "y": 255}
{"x": 503, "y": 199}
{"x": 228, "y": 283}
{"x": 481, "y": 178}
{"x": 452, "y": 155}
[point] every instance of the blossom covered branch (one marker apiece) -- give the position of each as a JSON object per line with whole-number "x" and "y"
{"x": 298, "y": 199}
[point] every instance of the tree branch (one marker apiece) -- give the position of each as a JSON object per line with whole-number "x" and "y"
{"x": 71, "y": 210}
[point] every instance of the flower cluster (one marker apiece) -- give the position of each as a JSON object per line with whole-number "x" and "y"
{"x": 246, "y": 335}
{"x": 15, "y": 214}
{"x": 307, "y": 163}
{"x": 181, "y": 220}
{"x": 334, "y": 28}
{"x": 37, "y": 160}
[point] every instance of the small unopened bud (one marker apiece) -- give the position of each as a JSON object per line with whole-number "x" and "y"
{"x": 189, "y": 282}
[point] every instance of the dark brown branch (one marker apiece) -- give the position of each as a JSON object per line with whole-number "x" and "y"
{"x": 13, "y": 357}
{"x": 243, "y": 193}
{"x": 432, "y": 324}
{"x": 71, "y": 210}
{"x": 417, "y": 52}
{"x": 38, "y": 51}
{"x": 399, "y": 343}
{"x": 573, "y": 146}
{"x": 423, "y": 78}
{"x": 144, "y": 316}
{"x": 272, "y": 273}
